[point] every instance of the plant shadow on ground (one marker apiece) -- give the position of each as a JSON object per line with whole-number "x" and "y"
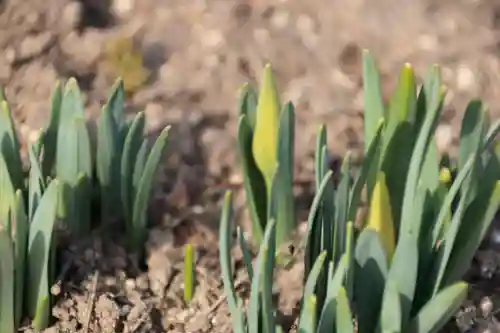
{"x": 95, "y": 14}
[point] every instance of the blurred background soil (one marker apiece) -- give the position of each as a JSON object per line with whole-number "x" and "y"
{"x": 196, "y": 55}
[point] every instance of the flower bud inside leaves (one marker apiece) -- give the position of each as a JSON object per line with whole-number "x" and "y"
{"x": 265, "y": 138}
{"x": 380, "y": 215}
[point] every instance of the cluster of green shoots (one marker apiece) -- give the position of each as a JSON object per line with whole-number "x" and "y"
{"x": 68, "y": 169}
{"x": 401, "y": 268}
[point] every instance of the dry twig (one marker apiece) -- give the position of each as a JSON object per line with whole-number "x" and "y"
{"x": 91, "y": 303}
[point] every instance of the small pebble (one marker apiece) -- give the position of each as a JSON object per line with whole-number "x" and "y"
{"x": 261, "y": 36}
{"x": 71, "y": 14}
{"x": 197, "y": 209}
{"x": 55, "y": 290}
{"x": 33, "y": 45}
{"x": 487, "y": 270}
{"x": 154, "y": 113}
{"x": 89, "y": 255}
{"x": 305, "y": 24}
{"x": 142, "y": 282}
{"x": 124, "y": 310}
{"x": 33, "y": 136}
{"x": 130, "y": 284}
{"x": 10, "y": 55}
{"x": 465, "y": 78}
{"x": 444, "y": 137}
{"x": 306, "y": 27}
{"x": 212, "y": 38}
{"x": 280, "y": 19}
{"x": 122, "y": 8}
{"x": 427, "y": 42}
{"x": 109, "y": 281}
{"x": 495, "y": 236}
{"x": 5, "y": 70}
{"x": 486, "y": 306}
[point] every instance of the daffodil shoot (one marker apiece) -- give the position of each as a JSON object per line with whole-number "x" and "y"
{"x": 265, "y": 138}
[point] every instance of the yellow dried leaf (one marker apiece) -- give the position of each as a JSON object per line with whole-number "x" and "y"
{"x": 123, "y": 58}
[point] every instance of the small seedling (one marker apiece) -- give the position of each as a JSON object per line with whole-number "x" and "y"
{"x": 189, "y": 273}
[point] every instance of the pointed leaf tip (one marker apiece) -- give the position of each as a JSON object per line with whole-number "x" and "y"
{"x": 72, "y": 82}
{"x": 380, "y": 122}
{"x": 244, "y": 87}
{"x": 119, "y": 81}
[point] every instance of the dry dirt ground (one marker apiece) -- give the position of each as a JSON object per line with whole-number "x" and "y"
{"x": 197, "y": 54}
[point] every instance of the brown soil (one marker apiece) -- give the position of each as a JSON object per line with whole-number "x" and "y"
{"x": 198, "y": 53}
